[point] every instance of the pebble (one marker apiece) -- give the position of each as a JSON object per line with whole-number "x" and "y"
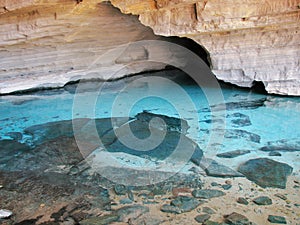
{"x": 242, "y": 200}
{"x": 226, "y": 186}
{"x": 214, "y": 184}
{"x": 276, "y": 219}
{"x": 202, "y": 218}
{"x": 208, "y": 210}
{"x": 281, "y": 196}
{"x": 130, "y": 195}
{"x": 262, "y": 200}
{"x": 236, "y": 219}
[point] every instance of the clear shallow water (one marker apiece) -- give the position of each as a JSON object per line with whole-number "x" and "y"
{"x": 267, "y": 118}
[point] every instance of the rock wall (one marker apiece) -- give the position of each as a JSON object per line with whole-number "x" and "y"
{"x": 49, "y": 43}
{"x": 248, "y": 40}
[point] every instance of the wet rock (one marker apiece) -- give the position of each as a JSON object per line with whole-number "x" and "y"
{"x": 181, "y": 204}
{"x": 83, "y": 128}
{"x": 274, "y": 153}
{"x": 282, "y": 146}
{"x": 237, "y": 134}
{"x": 262, "y": 200}
{"x": 214, "y": 169}
{"x": 208, "y": 210}
{"x": 241, "y": 122}
{"x": 202, "y": 218}
{"x": 237, "y": 219}
{"x": 207, "y": 193}
{"x": 233, "y": 154}
{"x": 120, "y": 189}
{"x": 245, "y": 105}
{"x": 277, "y": 219}
{"x": 171, "y": 123}
{"x": 242, "y": 201}
{"x": 127, "y": 213}
{"x": 209, "y": 121}
{"x": 266, "y": 172}
{"x": 102, "y": 220}
{"x": 4, "y": 213}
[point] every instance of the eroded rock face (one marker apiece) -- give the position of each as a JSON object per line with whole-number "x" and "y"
{"x": 49, "y": 43}
{"x": 247, "y": 40}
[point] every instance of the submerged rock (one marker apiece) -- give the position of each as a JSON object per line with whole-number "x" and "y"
{"x": 171, "y": 123}
{"x": 236, "y": 134}
{"x": 233, "y": 154}
{"x": 245, "y": 105}
{"x": 274, "y": 153}
{"x": 285, "y": 148}
{"x": 266, "y": 172}
{"x": 239, "y": 120}
{"x": 172, "y": 143}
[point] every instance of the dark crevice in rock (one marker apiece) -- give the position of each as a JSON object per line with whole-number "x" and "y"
{"x": 192, "y": 46}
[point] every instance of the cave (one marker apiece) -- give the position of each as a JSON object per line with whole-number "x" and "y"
{"x": 192, "y": 46}
{"x": 149, "y": 145}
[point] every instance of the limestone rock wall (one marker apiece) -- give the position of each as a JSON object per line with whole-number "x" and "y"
{"x": 248, "y": 40}
{"x": 49, "y": 43}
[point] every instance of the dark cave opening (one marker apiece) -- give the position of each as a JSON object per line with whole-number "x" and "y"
{"x": 192, "y": 46}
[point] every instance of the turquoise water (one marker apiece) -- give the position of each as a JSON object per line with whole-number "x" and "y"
{"x": 267, "y": 118}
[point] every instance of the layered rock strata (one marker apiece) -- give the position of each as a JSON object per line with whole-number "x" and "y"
{"x": 49, "y": 43}
{"x": 247, "y": 40}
